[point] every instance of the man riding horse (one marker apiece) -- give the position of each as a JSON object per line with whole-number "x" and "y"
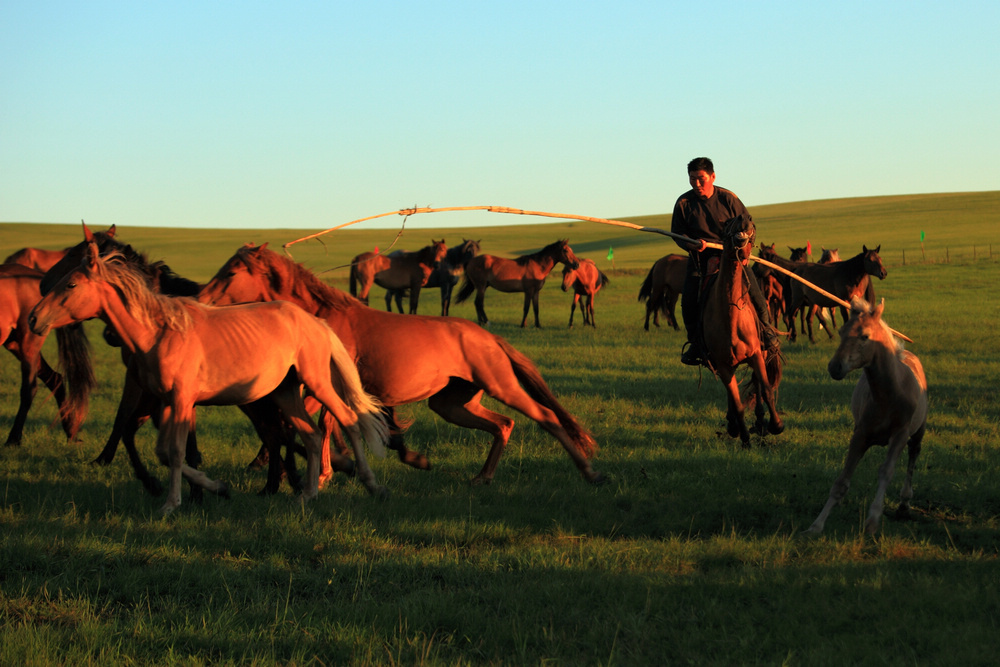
{"x": 701, "y": 214}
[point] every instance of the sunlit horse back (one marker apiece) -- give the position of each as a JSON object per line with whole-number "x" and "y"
{"x": 889, "y": 406}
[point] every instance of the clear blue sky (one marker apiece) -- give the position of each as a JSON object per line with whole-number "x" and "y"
{"x": 310, "y": 114}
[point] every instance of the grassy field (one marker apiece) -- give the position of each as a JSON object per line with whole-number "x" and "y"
{"x": 690, "y": 555}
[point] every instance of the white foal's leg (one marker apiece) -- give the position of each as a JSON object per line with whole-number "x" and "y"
{"x": 885, "y": 473}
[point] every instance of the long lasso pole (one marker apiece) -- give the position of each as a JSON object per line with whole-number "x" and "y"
{"x": 569, "y": 216}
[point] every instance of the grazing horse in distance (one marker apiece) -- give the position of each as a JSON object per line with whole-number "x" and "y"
{"x": 663, "y": 284}
{"x": 846, "y": 280}
{"x": 404, "y": 270}
{"x": 829, "y": 256}
{"x": 191, "y": 354}
{"x": 35, "y": 258}
{"x": 732, "y": 336}
{"x": 448, "y": 361}
{"x": 446, "y": 275}
{"x": 524, "y": 274}
{"x": 19, "y": 292}
{"x": 889, "y": 406}
{"x": 586, "y": 281}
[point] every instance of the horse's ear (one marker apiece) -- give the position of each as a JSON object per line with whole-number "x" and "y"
{"x": 92, "y": 255}
{"x": 864, "y": 248}
{"x": 877, "y": 310}
{"x": 264, "y": 246}
{"x": 111, "y": 231}
{"x": 878, "y": 248}
{"x": 88, "y": 235}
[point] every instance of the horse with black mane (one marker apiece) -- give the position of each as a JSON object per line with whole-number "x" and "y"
{"x": 525, "y": 274}
{"x": 447, "y": 274}
{"x": 400, "y": 270}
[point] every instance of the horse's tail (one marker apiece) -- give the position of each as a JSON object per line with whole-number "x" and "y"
{"x": 466, "y": 290}
{"x": 347, "y": 382}
{"x": 602, "y": 280}
{"x": 74, "y": 359}
{"x": 646, "y": 289}
{"x": 533, "y": 382}
{"x": 354, "y": 277}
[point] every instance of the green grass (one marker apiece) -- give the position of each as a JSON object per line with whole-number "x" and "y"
{"x": 690, "y": 555}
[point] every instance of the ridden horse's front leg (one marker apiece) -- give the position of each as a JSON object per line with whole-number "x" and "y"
{"x": 735, "y": 423}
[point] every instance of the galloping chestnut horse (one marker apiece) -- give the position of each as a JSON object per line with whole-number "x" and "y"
{"x": 188, "y": 354}
{"x": 447, "y": 361}
{"x": 19, "y": 292}
{"x": 446, "y": 275}
{"x": 586, "y": 281}
{"x": 730, "y": 330}
{"x": 846, "y": 279}
{"x": 524, "y": 274}
{"x": 663, "y": 284}
{"x": 889, "y": 406}
{"x": 406, "y": 270}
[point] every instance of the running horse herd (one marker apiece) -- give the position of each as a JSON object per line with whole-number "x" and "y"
{"x": 336, "y": 366}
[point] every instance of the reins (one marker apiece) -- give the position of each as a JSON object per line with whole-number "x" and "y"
{"x": 407, "y": 212}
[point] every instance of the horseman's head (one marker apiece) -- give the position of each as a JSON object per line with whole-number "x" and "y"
{"x": 740, "y": 234}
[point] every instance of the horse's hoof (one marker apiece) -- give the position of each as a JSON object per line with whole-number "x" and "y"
{"x": 416, "y": 460}
{"x": 479, "y": 480}
{"x": 223, "y": 491}
{"x": 597, "y": 478}
{"x": 775, "y": 428}
{"x": 380, "y": 492}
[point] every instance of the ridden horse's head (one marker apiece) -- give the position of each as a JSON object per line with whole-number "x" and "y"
{"x": 873, "y": 263}
{"x": 739, "y": 235}
{"x": 860, "y": 337}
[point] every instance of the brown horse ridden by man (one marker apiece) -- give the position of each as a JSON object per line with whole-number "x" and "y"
{"x": 845, "y": 280}
{"x": 889, "y": 406}
{"x": 663, "y": 285}
{"x": 731, "y": 333}
{"x": 524, "y": 274}
{"x": 406, "y": 270}
{"x": 447, "y": 361}
{"x": 191, "y": 354}
{"x": 585, "y": 281}
{"x": 19, "y": 292}
{"x": 447, "y": 274}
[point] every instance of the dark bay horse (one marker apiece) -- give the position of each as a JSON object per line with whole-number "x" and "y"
{"x": 403, "y": 270}
{"x": 19, "y": 292}
{"x": 788, "y": 310}
{"x": 445, "y": 276}
{"x": 731, "y": 332}
{"x": 191, "y": 354}
{"x": 829, "y": 256}
{"x": 663, "y": 285}
{"x": 889, "y": 406}
{"x": 447, "y": 361}
{"x": 524, "y": 274}
{"x": 846, "y": 280}
{"x": 586, "y": 281}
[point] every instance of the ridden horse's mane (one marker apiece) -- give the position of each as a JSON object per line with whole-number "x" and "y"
{"x": 523, "y": 260}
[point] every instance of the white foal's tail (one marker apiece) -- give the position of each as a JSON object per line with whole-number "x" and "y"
{"x": 346, "y": 381}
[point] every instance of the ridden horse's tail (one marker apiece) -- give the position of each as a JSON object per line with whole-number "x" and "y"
{"x": 466, "y": 290}
{"x": 532, "y": 381}
{"x": 347, "y": 382}
{"x": 74, "y": 358}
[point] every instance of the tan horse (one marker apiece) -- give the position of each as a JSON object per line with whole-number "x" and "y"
{"x": 524, "y": 274}
{"x": 189, "y": 354}
{"x": 889, "y": 407}
{"x": 730, "y": 330}
{"x": 586, "y": 281}
{"x": 404, "y": 270}
{"x": 19, "y": 292}
{"x": 447, "y": 361}
{"x": 663, "y": 285}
